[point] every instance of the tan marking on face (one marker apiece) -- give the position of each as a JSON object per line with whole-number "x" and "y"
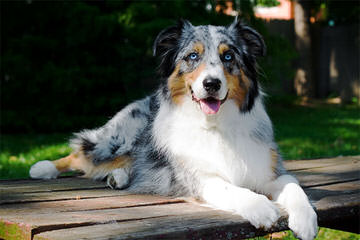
{"x": 191, "y": 77}
{"x": 179, "y": 84}
{"x": 198, "y": 47}
{"x": 176, "y": 86}
{"x": 238, "y": 86}
{"x": 223, "y": 48}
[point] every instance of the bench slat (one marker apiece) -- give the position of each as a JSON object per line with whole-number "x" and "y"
{"x": 204, "y": 225}
{"x": 61, "y": 184}
{"x": 84, "y": 204}
{"x": 294, "y": 165}
{"x": 342, "y": 170}
{"x": 58, "y": 195}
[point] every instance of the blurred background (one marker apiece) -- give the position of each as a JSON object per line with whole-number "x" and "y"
{"x": 71, "y": 65}
{"x": 66, "y": 65}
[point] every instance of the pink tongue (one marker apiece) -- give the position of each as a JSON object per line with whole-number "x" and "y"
{"x": 210, "y": 106}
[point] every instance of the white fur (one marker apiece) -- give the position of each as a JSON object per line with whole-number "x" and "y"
{"x": 212, "y": 145}
{"x": 43, "y": 170}
{"x": 302, "y": 217}
{"x": 256, "y": 208}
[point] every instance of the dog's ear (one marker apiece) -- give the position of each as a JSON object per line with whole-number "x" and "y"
{"x": 253, "y": 46}
{"x": 166, "y": 46}
{"x": 254, "y": 43}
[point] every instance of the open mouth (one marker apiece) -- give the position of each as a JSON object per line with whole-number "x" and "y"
{"x": 209, "y": 105}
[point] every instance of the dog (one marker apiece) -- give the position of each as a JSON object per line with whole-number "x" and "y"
{"x": 204, "y": 133}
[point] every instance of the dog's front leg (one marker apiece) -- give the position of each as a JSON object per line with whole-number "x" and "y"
{"x": 256, "y": 208}
{"x": 286, "y": 191}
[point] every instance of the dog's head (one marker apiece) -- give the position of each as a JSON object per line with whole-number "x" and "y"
{"x": 210, "y": 64}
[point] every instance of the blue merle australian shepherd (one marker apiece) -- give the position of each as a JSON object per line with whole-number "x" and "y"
{"x": 204, "y": 133}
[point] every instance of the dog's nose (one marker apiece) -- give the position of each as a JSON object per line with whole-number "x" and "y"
{"x": 212, "y": 85}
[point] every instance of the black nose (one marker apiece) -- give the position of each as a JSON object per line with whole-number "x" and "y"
{"x": 212, "y": 85}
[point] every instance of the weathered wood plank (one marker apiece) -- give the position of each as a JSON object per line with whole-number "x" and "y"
{"x": 337, "y": 205}
{"x": 203, "y": 225}
{"x": 58, "y": 196}
{"x": 36, "y": 223}
{"x": 84, "y": 204}
{"x": 335, "y": 201}
{"x": 214, "y": 225}
{"x": 61, "y": 184}
{"x": 294, "y": 165}
{"x": 348, "y": 171}
{"x": 105, "y": 215}
{"x": 338, "y": 189}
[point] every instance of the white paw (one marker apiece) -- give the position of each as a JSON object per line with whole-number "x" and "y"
{"x": 118, "y": 178}
{"x": 303, "y": 222}
{"x": 43, "y": 170}
{"x": 259, "y": 211}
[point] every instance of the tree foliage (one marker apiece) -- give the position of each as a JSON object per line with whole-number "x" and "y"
{"x": 66, "y": 65}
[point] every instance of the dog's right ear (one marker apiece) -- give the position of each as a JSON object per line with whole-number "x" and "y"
{"x": 166, "y": 46}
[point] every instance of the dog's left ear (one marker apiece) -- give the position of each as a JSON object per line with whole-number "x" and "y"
{"x": 166, "y": 46}
{"x": 254, "y": 42}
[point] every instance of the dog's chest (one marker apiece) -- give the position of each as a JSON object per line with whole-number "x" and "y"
{"x": 223, "y": 150}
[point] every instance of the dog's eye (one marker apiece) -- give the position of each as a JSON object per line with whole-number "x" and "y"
{"x": 228, "y": 57}
{"x": 193, "y": 56}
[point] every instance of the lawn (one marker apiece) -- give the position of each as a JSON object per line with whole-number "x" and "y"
{"x": 303, "y": 131}
{"x": 19, "y": 152}
{"x": 315, "y": 130}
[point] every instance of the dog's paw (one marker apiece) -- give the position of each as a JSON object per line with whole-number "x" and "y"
{"x": 118, "y": 179}
{"x": 43, "y": 170}
{"x": 259, "y": 211}
{"x": 303, "y": 222}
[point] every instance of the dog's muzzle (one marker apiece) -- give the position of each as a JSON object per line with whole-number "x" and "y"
{"x": 209, "y": 105}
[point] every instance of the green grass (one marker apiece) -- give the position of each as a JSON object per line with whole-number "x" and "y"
{"x": 323, "y": 234}
{"x": 19, "y": 152}
{"x": 315, "y": 131}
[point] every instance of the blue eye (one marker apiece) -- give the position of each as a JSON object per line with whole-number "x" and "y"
{"x": 194, "y": 56}
{"x": 228, "y": 57}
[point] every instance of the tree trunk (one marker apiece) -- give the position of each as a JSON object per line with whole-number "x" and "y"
{"x": 303, "y": 82}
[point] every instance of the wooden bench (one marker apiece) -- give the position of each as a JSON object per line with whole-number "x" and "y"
{"x": 75, "y": 208}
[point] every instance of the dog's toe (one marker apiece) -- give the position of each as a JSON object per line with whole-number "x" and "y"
{"x": 118, "y": 179}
